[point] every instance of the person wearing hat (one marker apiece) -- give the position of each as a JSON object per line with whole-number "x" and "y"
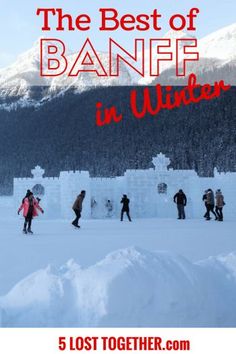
{"x": 219, "y": 205}
{"x": 181, "y": 200}
{"x": 30, "y": 210}
{"x": 125, "y": 207}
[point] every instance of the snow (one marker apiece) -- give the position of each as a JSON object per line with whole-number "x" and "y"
{"x": 220, "y": 44}
{"x": 215, "y": 50}
{"x": 164, "y": 65}
{"x": 148, "y": 273}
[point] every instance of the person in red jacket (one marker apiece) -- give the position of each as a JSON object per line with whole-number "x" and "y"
{"x": 30, "y": 208}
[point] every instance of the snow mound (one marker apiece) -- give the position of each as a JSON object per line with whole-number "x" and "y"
{"x": 130, "y": 287}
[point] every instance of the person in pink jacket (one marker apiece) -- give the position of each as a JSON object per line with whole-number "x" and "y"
{"x": 30, "y": 207}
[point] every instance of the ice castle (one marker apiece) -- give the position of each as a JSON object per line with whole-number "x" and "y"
{"x": 150, "y": 191}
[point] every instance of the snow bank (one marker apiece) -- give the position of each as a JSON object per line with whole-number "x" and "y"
{"x": 130, "y": 287}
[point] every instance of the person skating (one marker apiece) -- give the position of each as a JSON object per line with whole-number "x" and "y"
{"x": 125, "y": 207}
{"x": 210, "y": 202}
{"x": 204, "y": 199}
{"x": 181, "y": 200}
{"x": 30, "y": 208}
{"x": 219, "y": 205}
{"x": 77, "y": 207}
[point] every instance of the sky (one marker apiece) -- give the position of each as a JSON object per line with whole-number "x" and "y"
{"x": 20, "y": 27}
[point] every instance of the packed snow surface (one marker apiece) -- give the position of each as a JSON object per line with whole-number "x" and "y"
{"x": 115, "y": 274}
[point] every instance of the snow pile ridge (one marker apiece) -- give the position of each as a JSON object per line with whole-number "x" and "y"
{"x": 129, "y": 287}
{"x": 32, "y": 299}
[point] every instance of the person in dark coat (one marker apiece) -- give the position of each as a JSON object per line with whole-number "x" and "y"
{"x": 204, "y": 199}
{"x": 210, "y": 202}
{"x": 125, "y": 208}
{"x": 181, "y": 200}
{"x": 77, "y": 207}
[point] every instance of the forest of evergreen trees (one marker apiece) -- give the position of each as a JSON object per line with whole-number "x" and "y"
{"x": 62, "y": 135}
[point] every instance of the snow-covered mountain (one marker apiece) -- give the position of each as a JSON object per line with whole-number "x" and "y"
{"x": 172, "y": 35}
{"x": 217, "y": 60}
{"x": 86, "y": 80}
{"x": 220, "y": 44}
{"x": 20, "y": 83}
{"x": 16, "y": 79}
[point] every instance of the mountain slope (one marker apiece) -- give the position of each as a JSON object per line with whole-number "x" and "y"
{"x": 220, "y": 44}
{"x": 217, "y": 60}
{"x": 21, "y": 81}
{"x": 21, "y": 84}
